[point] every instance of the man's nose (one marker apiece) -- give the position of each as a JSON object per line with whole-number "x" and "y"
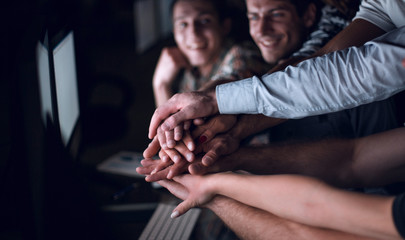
{"x": 264, "y": 25}
{"x": 195, "y": 29}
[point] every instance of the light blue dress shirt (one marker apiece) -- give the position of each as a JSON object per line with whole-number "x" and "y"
{"x": 333, "y": 82}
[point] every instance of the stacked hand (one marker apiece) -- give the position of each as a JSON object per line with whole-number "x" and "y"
{"x": 184, "y": 155}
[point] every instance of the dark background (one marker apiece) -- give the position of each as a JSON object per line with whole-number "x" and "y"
{"x": 116, "y": 101}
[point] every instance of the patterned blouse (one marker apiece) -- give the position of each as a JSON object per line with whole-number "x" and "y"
{"x": 236, "y": 61}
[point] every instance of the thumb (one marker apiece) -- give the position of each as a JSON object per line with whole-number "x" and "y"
{"x": 182, "y": 208}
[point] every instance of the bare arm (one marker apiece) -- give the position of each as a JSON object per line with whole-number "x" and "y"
{"x": 356, "y": 34}
{"x": 298, "y": 199}
{"x": 171, "y": 61}
{"x": 360, "y": 162}
{"x": 252, "y": 223}
{"x": 312, "y": 203}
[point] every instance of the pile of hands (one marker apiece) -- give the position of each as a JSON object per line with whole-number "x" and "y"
{"x": 187, "y": 152}
{"x": 195, "y": 147}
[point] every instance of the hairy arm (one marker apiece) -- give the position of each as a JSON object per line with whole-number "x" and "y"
{"x": 296, "y": 198}
{"x": 311, "y": 202}
{"x": 265, "y": 225}
{"x": 252, "y": 223}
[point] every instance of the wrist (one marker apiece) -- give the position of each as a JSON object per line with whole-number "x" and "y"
{"x": 211, "y": 93}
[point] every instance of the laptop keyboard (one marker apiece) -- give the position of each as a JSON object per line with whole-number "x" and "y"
{"x": 161, "y": 226}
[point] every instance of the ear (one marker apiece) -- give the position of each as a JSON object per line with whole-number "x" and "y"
{"x": 309, "y": 15}
{"x": 227, "y": 25}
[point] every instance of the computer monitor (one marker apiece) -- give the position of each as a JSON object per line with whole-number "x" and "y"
{"x": 61, "y": 204}
{"x": 58, "y": 86}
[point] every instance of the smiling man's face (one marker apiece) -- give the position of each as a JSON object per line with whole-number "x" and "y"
{"x": 197, "y": 31}
{"x": 276, "y": 28}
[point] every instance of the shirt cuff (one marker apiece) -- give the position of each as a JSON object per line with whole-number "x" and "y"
{"x": 236, "y": 97}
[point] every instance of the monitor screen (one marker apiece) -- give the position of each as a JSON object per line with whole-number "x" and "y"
{"x": 67, "y": 97}
{"x": 44, "y": 77}
{"x": 56, "y": 66}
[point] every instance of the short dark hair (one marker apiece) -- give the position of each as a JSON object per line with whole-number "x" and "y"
{"x": 302, "y": 5}
{"x": 221, "y": 7}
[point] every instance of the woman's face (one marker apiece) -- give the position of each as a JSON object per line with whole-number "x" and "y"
{"x": 198, "y": 32}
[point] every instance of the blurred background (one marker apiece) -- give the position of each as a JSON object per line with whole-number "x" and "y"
{"x": 117, "y": 46}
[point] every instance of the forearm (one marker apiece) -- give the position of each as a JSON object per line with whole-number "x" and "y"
{"x": 251, "y": 124}
{"x": 162, "y": 92}
{"x": 310, "y": 202}
{"x": 264, "y": 225}
{"x": 375, "y": 160}
{"x": 311, "y": 158}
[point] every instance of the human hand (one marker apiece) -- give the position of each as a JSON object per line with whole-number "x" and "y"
{"x": 194, "y": 190}
{"x": 170, "y": 138}
{"x": 211, "y": 159}
{"x": 167, "y": 170}
{"x": 170, "y": 62}
{"x": 164, "y": 140}
{"x": 204, "y": 132}
{"x": 182, "y": 107}
{"x": 219, "y": 146}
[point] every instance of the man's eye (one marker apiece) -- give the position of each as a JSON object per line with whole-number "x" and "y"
{"x": 278, "y": 14}
{"x": 205, "y": 21}
{"x": 253, "y": 17}
{"x": 182, "y": 25}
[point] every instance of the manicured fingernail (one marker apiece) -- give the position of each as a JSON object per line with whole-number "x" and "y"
{"x": 174, "y": 214}
{"x": 189, "y": 157}
{"x": 202, "y": 139}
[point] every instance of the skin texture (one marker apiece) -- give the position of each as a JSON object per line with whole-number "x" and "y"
{"x": 314, "y": 203}
{"x": 317, "y": 211}
{"x": 276, "y": 27}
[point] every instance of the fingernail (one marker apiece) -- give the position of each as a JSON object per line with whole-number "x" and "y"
{"x": 190, "y": 146}
{"x": 153, "y": 172}
{"x": 165, "y": 158}
{"x": 177, "y": 137}
{"x": 207, "y": 161}
{"x": 176, "y": 158}
{"x": 164, "y": 146}
{"x": 174, "y": 214}
{"x": 202, "y": 139}
{"x": 189, "y": 157}
{"x": 170, "y": 175}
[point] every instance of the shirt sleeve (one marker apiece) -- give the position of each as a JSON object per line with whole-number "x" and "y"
{"x": 375, "y": 11}
{"x": 333, "y": 82}
{"x": 398, "y": 213}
